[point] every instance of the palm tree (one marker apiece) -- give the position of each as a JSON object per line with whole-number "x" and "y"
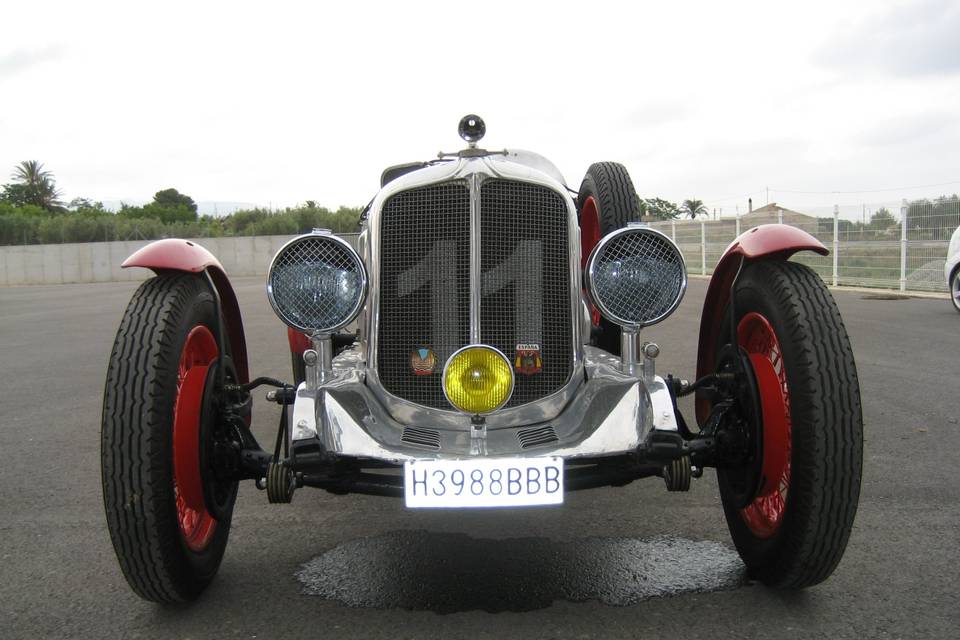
{"x": 39, "y": 186}
{"x": 694, "y": 208}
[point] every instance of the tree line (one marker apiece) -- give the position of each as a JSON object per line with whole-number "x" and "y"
{"x": 32, "y": 212}
{"x": 927, "y": 219}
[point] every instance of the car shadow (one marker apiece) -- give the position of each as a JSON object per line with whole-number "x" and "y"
{"x": 452, "y": 572}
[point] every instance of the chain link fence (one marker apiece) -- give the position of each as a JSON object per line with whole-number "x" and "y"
{"x": 880, "y": 252}
{"x": 872, "y": 249}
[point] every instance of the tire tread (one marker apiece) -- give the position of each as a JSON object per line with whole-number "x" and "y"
{"x": 135, "y": 452}
{"x": 827, "y": 429}
{"x": 617, "y": 206}
{"x": 617, "y": 199}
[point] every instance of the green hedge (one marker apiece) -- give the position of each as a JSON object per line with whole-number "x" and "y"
{"x": 33, "y": 225}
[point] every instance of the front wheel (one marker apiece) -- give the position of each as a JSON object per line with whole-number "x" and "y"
{"x": 168, "y": 517}
{"x": 792, "y": 527}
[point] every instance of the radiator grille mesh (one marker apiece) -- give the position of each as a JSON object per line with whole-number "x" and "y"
{"x": 425, "y": 286}
{"x": 525, "y": 285}
{"x": 424, "y": 289}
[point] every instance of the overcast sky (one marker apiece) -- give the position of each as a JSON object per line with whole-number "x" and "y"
{"x": 279, "y": 102}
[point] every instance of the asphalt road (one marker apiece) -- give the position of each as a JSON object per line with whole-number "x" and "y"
{"x": 597, "y": 567}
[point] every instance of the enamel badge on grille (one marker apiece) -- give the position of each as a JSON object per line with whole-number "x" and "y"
{"x": 527, "y": 360}
{"x": 423, "y": 361}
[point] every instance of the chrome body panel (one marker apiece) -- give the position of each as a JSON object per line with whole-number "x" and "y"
{"x": 611, "y": 413}
{"x": 473, "y": 170}
{"x": 534, "y": 161}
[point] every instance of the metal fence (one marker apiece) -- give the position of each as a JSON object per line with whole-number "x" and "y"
{"x": 880, "y": 252}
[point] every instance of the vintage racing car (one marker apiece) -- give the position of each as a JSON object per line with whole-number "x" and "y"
{"x": 496, "y": 361}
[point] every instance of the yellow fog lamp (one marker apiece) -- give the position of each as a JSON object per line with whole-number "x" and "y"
{"x": 478, "y": 379}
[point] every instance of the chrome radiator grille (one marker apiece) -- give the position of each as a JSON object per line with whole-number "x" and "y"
{"x": 525, "y": 286}
{"x": 425, "y": 286}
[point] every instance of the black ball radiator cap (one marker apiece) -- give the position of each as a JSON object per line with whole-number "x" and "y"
{"x": 471, "y": 128}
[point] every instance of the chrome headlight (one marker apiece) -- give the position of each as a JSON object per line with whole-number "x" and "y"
{"x": 317, "y": 283}
{"x": 636, "y": 276}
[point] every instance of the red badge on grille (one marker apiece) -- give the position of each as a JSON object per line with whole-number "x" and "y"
{"x": 527, "y": 360}
{"x": 423, "y": 361}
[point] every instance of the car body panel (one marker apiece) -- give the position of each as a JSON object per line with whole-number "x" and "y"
{"x": 174, "y": 254}
{"x": 766, "y": 242}
{"x": 953, "y": 256}
{"x": 299, "y": 341}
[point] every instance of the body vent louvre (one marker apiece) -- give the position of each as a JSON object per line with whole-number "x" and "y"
{"x": 421, "y": 437}
{"x": 536, "y": 437}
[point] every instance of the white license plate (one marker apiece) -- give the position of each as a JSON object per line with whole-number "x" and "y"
{"x": 503, "y": 482}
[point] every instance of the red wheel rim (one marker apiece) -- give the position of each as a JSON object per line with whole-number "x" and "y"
{"x": 196, "y": 524}
{"x": 589, "y": 237}
{"x": 756, "y": 336}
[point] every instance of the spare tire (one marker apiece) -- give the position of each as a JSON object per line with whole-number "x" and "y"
{"x": 607, "y": 201}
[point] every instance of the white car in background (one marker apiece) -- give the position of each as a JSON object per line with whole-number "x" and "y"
{"x": 951, "y": 269}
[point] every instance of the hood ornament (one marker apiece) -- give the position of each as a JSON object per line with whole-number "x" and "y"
{"x": 472, "y": 129}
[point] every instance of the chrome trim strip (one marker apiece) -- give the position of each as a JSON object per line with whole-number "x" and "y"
{"x": 475, "y": 266}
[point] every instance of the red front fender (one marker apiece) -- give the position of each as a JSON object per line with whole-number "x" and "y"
{"x": 174, "y": 254}
{"x": 299, "y": 342}
{"x": 766, "y": 242}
